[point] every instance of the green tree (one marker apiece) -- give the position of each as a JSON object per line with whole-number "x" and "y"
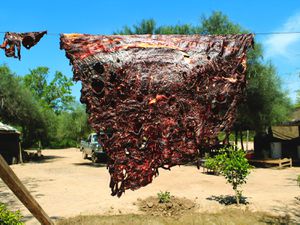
{"x": 234, "y": 166}
{"x": 44, "y": 112}
{"x": 54, "y": 95}
{"x": 177, "y": 29}
{"x": 218, "y": 23}
{"x": 72, "y": 127}
{"x": 298, "y": 99}
{"x": 145, "y": 27}
{"x": 265, "y": 102}
{"x": 19, "y": 107}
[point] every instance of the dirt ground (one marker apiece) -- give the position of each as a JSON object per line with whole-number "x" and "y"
{"x": 66, "y": 185}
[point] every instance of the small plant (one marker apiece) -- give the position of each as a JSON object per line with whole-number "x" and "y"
{"x": 234, "y": 166}
{"x": 164, "y": 197}
{"x": 211, "y": 164}
{"x": 298, "y": 180}
{"x": 8, "y": 217}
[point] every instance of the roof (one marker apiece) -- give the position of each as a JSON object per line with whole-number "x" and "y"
{"x": 292, "y": 123}
{"x": 287, "y": 132}
{"x": 4, "y": 128}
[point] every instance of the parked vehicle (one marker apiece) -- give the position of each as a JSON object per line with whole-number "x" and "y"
{"x": 92, "y": 148}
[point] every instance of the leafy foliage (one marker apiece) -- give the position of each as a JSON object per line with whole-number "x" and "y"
{"x": 19, "y": 107}
{"x": 298, "y": 180}
{"x": 145, "y": 27}
{"x": 54, "y": 95}
{"x": 234, "y": 166}
{"x": 8, "y": 217}
{"x": 211, "y": 164}
{"x": 72, "y": 127}
{"x": 164, "y": 197}
{"x": 298, "y": 99}
{"x": 43, "y": 112}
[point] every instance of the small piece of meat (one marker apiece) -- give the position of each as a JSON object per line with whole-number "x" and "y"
{"x": 160, "y": 99}
{"x": 13, "y": 40}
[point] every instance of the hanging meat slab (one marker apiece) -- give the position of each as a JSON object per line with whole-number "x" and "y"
{"x": 160, "y": 99}
{"x": 12, "y": 41}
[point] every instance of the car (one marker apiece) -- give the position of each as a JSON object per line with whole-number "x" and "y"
{"x": 92, "y": 148}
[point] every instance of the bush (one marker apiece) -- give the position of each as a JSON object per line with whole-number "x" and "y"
{"x": 234, "y": 166}
{"x": 298, "y": 180}
{"x": 8, "y": 217}
{"x": 211, "y": 164}
{"x": 164, "y": 197}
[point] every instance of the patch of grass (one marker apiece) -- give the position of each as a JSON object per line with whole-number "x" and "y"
{"x": 226, "y": 216}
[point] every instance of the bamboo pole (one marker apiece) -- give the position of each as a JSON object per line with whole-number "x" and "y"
{"x": 17, "y": 187}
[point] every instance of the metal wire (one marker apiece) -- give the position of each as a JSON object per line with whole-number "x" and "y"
{"x": 256, "y": 33}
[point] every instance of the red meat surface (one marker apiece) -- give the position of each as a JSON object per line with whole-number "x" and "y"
{"x": 160, "y": 99}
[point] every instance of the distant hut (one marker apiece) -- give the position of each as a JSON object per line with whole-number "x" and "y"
{"x": 9, "y": 143}
{"x": 282, "y": 140}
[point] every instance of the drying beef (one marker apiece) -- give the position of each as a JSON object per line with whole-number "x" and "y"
{"x": 160, "y": 99}
{"x": 13, "y": 40}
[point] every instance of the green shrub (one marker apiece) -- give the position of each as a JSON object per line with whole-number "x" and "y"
{"x": 234, "y": 166}
{"x": 211, "y": 164}
{"x": 298, "y": 180}
{"x": 164, "y": 197}
{"x": 8, "y": 217}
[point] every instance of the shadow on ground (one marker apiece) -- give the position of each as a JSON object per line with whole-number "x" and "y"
{"x": 26, "y": 218}
{"x": 90, "y": 164}
{"x": 292, "y": 210}
{"x": 7, "y": 196}
{"x": 227, "y": 199}
{"x": 44, "y": 159}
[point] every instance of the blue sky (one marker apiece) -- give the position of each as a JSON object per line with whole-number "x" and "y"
{"x": 104, "y": 17}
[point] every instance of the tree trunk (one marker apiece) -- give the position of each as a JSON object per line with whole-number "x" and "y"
{"x": 236, "y": 137}
{"x": 237, "y": 197}
{"x": 247, "y": 141}
{"x": 241, "y": 136}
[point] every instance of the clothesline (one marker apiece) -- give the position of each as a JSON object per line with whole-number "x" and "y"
{"x": 255, "y": 33}
{"x": 14, "y": 40}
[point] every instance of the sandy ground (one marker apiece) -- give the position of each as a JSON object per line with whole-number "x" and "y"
{"x": 66, "y": 185}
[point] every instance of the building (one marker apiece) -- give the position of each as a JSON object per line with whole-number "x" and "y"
{"x": 281, "y": 141}
{"x": 10, "y": 144}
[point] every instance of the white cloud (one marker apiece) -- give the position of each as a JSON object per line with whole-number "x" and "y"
{"x": 283, "y": 44}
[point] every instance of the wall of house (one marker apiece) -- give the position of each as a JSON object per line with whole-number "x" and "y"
{"x": 9, "y": 146}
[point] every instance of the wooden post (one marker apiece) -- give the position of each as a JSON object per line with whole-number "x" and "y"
{"x": 20, "y": 153}
{"x": 17, "y": 187}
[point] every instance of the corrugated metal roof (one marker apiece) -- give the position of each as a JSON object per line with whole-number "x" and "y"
{"x": 7, "y": 128}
